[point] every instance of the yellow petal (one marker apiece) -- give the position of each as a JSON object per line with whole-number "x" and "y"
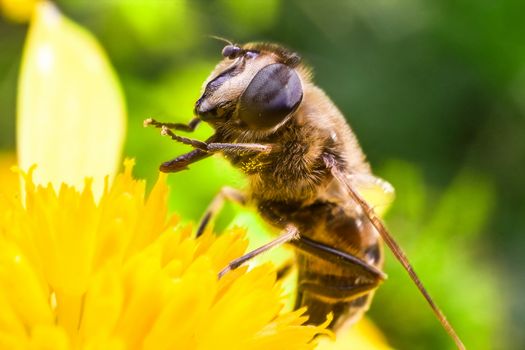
{"x": 378, "y": 193}
{"x": 71, "y": 114}
{"x": 148, "y": 288}
{"x": 9, "y": 183}
{"x": 364, "y": 335}
{"x": 22, "y": 289}
{"x": 102, "y": 306}
{"x": 190, "y": 300}
{"x": 12, "y": 328}
{"x": 61, "y": 227}
{"x": 49, "y": 337}
{"x": 18, "y": 10}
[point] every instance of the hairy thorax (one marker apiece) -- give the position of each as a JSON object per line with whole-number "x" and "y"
{"x": 295, "y": 170}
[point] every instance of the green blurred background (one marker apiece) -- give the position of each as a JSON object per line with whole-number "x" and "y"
{"x": 434, "y": 90}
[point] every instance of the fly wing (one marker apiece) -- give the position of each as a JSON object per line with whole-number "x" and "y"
{"x": 351, "y": 188}
{"x": 378, "y": 193}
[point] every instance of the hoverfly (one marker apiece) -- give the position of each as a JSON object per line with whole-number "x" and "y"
{"x": 306, "y": 175}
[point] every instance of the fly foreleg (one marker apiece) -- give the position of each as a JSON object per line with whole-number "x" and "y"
{"x": 214, "y": 147}
{"x": 191, "y": 126}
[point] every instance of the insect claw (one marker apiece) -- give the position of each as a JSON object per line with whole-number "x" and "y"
{"x": 224, "y": 271}
{"x": 147, "y": 122}
{"x": 164, "y": 131}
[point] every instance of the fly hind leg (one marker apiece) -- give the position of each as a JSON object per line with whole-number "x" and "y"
{"x": 320, "y": 251}
{"x": 346, "y": 295}
{"x": 290, "y": 233}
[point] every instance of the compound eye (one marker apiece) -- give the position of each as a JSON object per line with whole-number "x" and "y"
{"x": 231, "y": 51}
{"x": 272, "y": 95}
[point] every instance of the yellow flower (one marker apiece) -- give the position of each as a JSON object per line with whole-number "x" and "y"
{"x": 120, "y": 274}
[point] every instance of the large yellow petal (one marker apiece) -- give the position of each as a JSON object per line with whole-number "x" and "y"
{"x": 71, "y": 113}
{"x": 21, "y": 287}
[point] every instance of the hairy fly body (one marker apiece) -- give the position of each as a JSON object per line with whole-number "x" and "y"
{"x": 305, "y": 171}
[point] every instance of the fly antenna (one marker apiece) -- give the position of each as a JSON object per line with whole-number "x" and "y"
{"x": 220, "y": 38}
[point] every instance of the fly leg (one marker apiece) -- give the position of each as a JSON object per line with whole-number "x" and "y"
{"x": 236, "y": 196}
{"x": 324, "y": 292}
{"x": 174, "y": 126}
{"x": 226, "y": 193}
{"x": 213, "y": 147}
{"x": 311, "y": 247}
{"x": 202, "y": 149}
{"x": 181, "y": 162}
{"x": 338, "y": 257}
{"x": 290, "y": 233}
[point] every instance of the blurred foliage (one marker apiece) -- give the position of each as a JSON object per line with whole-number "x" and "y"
{"x": 434, "y": 90}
